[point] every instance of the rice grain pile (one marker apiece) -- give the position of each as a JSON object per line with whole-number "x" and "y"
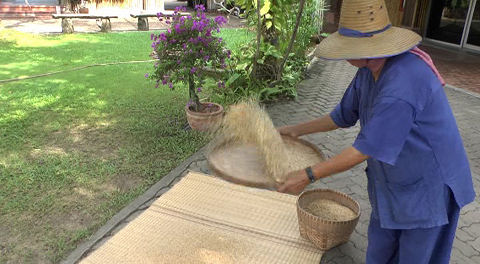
{"x": 330, "y": 210}
{"x": 300, "y": 156}
{"x": 247, "y": 122}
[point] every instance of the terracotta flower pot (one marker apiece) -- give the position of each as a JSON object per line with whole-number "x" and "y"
{"x": 83, "y": 10}
{"x": 206, "y": 120}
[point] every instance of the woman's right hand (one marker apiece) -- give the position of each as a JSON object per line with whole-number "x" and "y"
{"x": 290, "y": 131}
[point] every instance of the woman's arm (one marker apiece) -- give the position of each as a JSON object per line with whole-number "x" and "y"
{"x": 298, "y": 180}
{"x": 322, "y": 124}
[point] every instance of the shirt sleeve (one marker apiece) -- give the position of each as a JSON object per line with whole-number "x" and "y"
{"x": 345, "y": 113}
{"x": 385, "y": 133}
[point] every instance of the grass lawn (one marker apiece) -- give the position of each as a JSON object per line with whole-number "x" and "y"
{"x": 76, "y": 147}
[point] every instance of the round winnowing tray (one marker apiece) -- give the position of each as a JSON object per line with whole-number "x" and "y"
{"x": 244, "y": 165}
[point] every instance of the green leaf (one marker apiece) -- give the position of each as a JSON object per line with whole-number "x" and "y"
{"x": 265, "y": 8}
{"x": 268, "y": 24}
{"x": 268, "y": 16}
{"x": 242, "y": 66}
{"x": 232, "y": 79}
{"x": 260, "y": 61}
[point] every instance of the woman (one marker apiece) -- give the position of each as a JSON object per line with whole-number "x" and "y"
{"x": 418, "y": 171}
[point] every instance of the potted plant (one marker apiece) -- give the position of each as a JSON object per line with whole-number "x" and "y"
{"x": 185, "y": 51}
{"x": 83, "y": 8}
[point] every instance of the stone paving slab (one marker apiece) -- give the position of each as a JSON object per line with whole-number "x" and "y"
{"x": 317, "y": 95}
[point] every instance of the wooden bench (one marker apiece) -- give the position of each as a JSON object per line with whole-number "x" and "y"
{"x": 67, "y": 25}
{"x": 143, "y": 17}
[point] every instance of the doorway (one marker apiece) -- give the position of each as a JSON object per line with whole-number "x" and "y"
{"x": 455, "y": 23}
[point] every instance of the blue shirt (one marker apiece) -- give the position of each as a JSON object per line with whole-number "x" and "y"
{"x": 410, "y": 134}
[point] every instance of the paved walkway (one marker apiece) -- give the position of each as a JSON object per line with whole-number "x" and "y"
{"x": 317, "y": 95}
{"x": 459, "y": 68}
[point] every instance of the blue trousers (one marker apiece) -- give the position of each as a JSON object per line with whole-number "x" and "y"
{"x": 413, "y": 246}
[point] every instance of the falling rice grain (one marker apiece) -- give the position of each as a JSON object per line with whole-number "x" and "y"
{"x": 247, "y": 122}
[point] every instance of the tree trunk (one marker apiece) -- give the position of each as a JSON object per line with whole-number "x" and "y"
{"x": 259, "y": 38}
{"x": 193, "y": 95}
{"x": 292, "y": 40}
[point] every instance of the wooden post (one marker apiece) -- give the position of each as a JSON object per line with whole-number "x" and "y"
{"x": 106, "y": 25}
{"x": 67, "y": 25}
{"x": 143, "y": 23}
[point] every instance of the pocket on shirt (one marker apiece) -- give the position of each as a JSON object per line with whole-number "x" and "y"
{"x": 409, "y": 204}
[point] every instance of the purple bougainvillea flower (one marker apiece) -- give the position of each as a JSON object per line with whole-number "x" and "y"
{"x": 193, "y": 70}
{"x": 170, "y": 85}
{"x": 152, "y": 36}
{"x": 199, "y": 8}
{"x": 199, "y": 89}
{"x": 146, "y": 75}
{"x": 179, "y": 61}
{"x": 220, "y": 20}
{"x": 206, "y": 58}
{"x": 164, "y": 81}
{"x": 221, "y": 84}
{"x": 162, "y": 37}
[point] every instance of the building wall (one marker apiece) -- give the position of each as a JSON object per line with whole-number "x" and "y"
{"x": 152, "y": 5}
{"x": 30, "y": 2}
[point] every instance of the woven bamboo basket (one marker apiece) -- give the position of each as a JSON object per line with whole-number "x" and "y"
{"x": 325, "y": 234}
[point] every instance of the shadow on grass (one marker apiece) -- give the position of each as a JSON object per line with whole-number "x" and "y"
{"x": 24, "y": 54}
{"x": 75, "y": 148}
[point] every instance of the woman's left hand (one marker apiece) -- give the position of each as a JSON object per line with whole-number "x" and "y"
{"x": 295, "y": 183}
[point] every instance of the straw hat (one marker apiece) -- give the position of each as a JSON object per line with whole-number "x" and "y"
{"x": 365, "y": 31}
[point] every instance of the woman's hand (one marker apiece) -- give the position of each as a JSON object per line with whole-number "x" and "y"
{"x": 290, "y": 131}
{"x": 295, "y": 183}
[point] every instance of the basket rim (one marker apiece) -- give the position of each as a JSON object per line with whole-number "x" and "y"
{"x": 274, "y": 185}
{"x": 303, "y": 211}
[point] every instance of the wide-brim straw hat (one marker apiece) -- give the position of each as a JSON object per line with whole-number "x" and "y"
{"x": 365, "y": 31}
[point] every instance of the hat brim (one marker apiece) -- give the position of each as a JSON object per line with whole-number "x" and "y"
{"x": 389, "y": 43}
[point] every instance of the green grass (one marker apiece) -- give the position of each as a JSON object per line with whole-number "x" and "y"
{"x": 77, "y": 147}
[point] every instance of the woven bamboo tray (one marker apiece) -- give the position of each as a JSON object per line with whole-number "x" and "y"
{"x": 325, "y": 234}
{"x": 242, "y": 164}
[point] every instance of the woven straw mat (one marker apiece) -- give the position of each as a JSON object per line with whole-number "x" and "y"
{"x": 203, "y": 219}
